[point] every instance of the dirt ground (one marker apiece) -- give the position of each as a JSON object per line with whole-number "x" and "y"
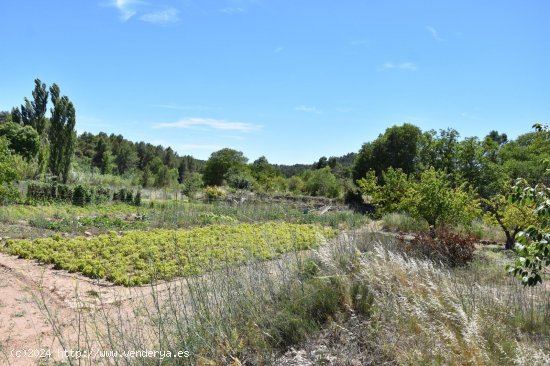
{"x": 24, "y": 325}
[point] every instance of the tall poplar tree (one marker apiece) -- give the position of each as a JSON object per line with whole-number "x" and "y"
{"x": 62, "y": 134}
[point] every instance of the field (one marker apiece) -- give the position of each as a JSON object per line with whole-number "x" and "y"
{"x": 138, "y": 257}
{"x": 246, "y": 283}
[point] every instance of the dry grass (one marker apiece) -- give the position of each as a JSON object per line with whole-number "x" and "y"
{"x": 356, "y": 301}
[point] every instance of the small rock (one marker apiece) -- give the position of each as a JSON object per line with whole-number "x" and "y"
{"x": 87, "y": 233}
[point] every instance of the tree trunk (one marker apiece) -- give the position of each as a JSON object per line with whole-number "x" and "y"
{"x": 510, "y": 240}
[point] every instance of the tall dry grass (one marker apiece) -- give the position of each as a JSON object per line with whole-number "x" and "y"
{"x": 357, "y": 300}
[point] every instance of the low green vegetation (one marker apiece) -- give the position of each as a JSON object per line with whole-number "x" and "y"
{"x": 139, "y": 257}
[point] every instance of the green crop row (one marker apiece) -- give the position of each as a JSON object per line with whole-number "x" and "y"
{"x": 140, "y": 257}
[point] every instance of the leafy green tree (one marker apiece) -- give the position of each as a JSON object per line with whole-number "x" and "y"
{"x": 219, "y": 164}
{"x": 126, "y": 157}
{"x": 192, "y": 185}
{"x": 385, "y": 197}
{"x": 499, "y": 138}
{"x": 295, "y": 184}
{"x": 397, "y": 148}
{"x": 522, "y": 157}
{"x": 170, "y": 157}
{"x": 433, "y": 199}
{"x": 533, "y": 244}
{"x": 512, "y": 216}
{"x": 103, "y": 159}
{"x": 62, "y": 134}
{"x": 321, "y": 182}
{"x": 268, "y": 178}
{"x": 33, "y": 113}
{"x": 439, "y": 150}
{"x": 22, "y": 140}
{"x": 239, "y": 177}
{"x": 323, "y": 162}
{"x": 8, "y": 173}
{"x": 5, "y": 117}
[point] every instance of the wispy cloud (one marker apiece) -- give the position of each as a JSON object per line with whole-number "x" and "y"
{"x": 126, "y": 8}
{"x": 166, "y": 16}
{"x": 434, "y": 33}
{"x": 216, "y": 124}
{"x": 232, "y": 10}
{"x": 278, "y": 50}
{"x": 402, "y": 66}
{"x": 307, "y": 109}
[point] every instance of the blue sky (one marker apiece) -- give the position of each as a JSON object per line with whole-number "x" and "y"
{"x": 289, "y": 79}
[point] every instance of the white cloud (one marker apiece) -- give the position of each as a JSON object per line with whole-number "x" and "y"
{"x": 403, "y": 66}
{"x": 126, "y": 8}
{"x": 209, "y": 122}
{"x": 278, "y": 49}
{"x": 307, "y": 109}
{"x": 407, "y": 66}
{"x": 434, "y": 33}
{"x": 166, "y": 16}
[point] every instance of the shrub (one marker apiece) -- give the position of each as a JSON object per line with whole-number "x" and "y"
{"x": 403, "y": 222}
{"x": 448, "y": 247}
{"x": 192, "y": 185}
{"x": 137, "y": 199}
{"x": 213, "y": 194}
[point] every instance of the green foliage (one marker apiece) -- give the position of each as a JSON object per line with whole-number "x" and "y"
{"x": 439, "y": 150}
{"x": 137, "y": 199}
{"x": 402, "y": 222}
{"x": 522, "y": 157}
{"x": 62, "y": 134}
{"x": 103, "y": 159}
{"x": 239, "y": 178}
{"x": 267, "y": 177}
{"x": 397, "y": 148}
{"x": 219, "y": 164}
{"x": 140, "y": 257}
{"x": 81, "y": 195}
{"x": 22, "y": 140}
{"x": 192, "y": 185}
{"x": 321, "y": 182}
{"x": 433, "y": 199}
{"x": 33, "y": 113}
{"x": 212, "y": 194}
{"x": 533, "y": 244}
{"x": 8, "y": 174}
{"x": 512, "y": 216}
{"x": 385, "y": 197}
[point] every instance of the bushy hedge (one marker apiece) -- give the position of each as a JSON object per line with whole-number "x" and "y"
{"x": 79, "y": 195}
